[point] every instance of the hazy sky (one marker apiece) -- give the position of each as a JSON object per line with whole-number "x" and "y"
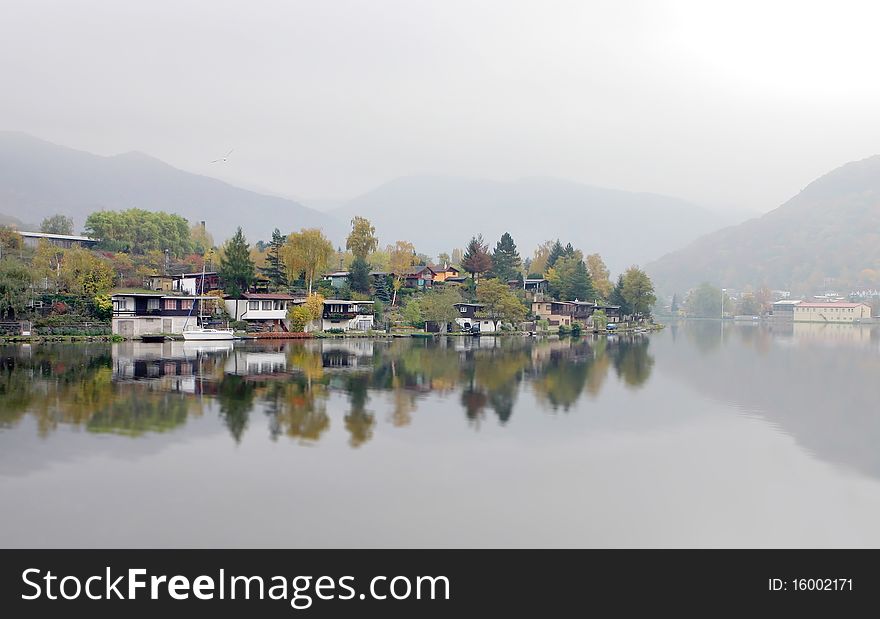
{"x": 738, "y": 104}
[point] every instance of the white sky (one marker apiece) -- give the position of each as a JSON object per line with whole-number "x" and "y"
{"x": 735, "y": 104}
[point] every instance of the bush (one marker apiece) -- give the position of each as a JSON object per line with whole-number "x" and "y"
{"x": 334, "y": 331}
{"x": 564, "y": 329}
{"x": 576, "y": 329}
{"x": 239, "y": 325}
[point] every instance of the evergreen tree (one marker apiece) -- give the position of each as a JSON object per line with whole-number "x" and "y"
{"x": 359, "y": 275}
{"x": 506, "y": 263}
{"x": 275, "y": 270}
{"x": 556, "y": 252}
{"x": 617, "y": 298}
{"x": 673, "y": 309}
{"x": 568, "y": 251}
{"x": 476, "y": 259}
{"x": 236, "y": 266}
{"x": 580, "y": 286}
{"x": 383, "y": 290}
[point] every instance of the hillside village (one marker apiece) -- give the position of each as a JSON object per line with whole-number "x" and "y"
{"x": 139, "y": 274}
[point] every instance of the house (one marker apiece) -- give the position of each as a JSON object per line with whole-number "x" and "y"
{"x": 164, "y": 283}
{"x": 557, "y": 313}
{"x": 582, "y": 311}
{"x": 530, "y": 285}
{"x": 442, "y": 273}
{"x": 196, "y": 283}
{"x": 784, "y": 309}
{"x": 337, "y": 279}
{"x": 420, "y": 276}
{"x": 347, "y": 315}
{"x": 808, "y": 311}
{"x": 66, "y": 241}
{"x": 263, "y": 311}
{"x": 137, "y": 313}
{"x": 469, "y": 321}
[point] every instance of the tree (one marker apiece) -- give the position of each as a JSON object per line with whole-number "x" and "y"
{"x": 499, "y": 302}
{"x": 616, "y": 298}
{"x": 236, "y": 266}
{"x": 315, "y": 304}
{"x": 569, "y": 280}
{"x": 307, "y": 251}
{"x": 638, "y": 290}
{"x": 362, "y": 238}
{"x": 299, "y": 316}
{"x": 383, "y": 289}
{"x": 557, "y": 251}
{"x": 359, "y": 276}
{"x": 600, "y": 275}
{"x": 673, "y": 307}
{"x": 57, "y": 224}
{"x": 139, "y": 231}
{"x": 400, "y": 259}
{"x": 275, "y": 270}
{"x": 538, "y": 263}
{"x": 412, "y": 312}
{"x": 476, "y": 259}
{"x": 506, "y": 262}
{"x": 748, "y": 306}
{"x": 704, "y": 301}
{"x": 600, "y": 320}
{"x": 202, "y": 241}
{"x": 439, "y": 306}
{"x": 15, "y": 282}
{"x": 83, "y": 272}
{"x": 444, "y": 259}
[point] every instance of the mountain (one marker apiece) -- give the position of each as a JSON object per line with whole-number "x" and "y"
{"x": 40, "y": 178}
{"x": 827, "y": 235}
{"x": 440, "y": 213}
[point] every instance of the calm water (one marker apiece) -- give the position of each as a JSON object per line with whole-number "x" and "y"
{"x": 687, "y": 437}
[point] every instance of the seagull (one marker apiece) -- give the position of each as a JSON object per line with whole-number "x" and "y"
{"x": 225, "y": 157}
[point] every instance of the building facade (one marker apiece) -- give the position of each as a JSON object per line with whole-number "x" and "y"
{"x": 830, "y": 312}
{"x": 347, "y": 315}
{"x": 66, "y": 241}
{"x": 262, "y": 311}
{"x": 150, "y": 313}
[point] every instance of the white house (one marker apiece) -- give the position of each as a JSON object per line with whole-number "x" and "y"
{"x": 269, "y": 310}
{"x": 138, "y": 313}
{"x": 347, "y": 315}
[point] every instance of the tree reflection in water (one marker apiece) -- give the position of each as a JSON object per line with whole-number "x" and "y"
{"x": 132, "y": 389}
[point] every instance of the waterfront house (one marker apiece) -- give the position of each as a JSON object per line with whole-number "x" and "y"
{"x": 808, "y": 311}
{"x": 784, "y": 309}
{"x": 196, "y": 283}
{"x": 144, "y": 312}
{"x": 469, "y": 321}
{"x": 557, "y": 313}
{"x": 420, "y": 277}
{"x": 263, "y": 311}
{"x": 347, "y": 315}
{"x": 582, "y": 312}
{"x": 65, "y": 241}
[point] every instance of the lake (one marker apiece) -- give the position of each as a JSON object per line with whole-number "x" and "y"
{"x": 700, "y": 435}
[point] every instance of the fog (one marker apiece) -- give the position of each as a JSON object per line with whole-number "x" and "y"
{"x": 734, "y": 107}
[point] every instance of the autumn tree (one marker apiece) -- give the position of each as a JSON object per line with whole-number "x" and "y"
{"x": 600, "y": 275}
{"x": 362, "y": 241}
{"x": 84, "y": 273}
{"x": 139, "y": 231}
{"x": 476, "y": 259}
{"x": 307, "y": 251}
{"x": 506, "y": 262}
{"x": 638, "y": 291}
{"x": 538, "y": 264}
{"x": 499, "y": 302}
{"x": 299, "y": 316}
{"x": 439, "y": 306}
{"x": 401, "y": 257}
{"x": 202, "y": 241}
{"x": 236, "y": 265}
{"x": 57, "y": 224}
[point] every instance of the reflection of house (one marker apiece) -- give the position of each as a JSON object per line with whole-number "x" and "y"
{"x": 32, "y": 239}
{"x": 442, "y": 273}
{"x": 150, "y": 312}
{"x": 347, "y": 315}
{"x": 266, "y": 310}
{"x": 256, "y": 362}
{"x": 831, "y": 312}
{"x": 468, "y": 320}
{"x": 557, "y": 313}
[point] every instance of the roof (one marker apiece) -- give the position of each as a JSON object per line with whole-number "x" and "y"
{"x": 138, "y": 292}
{"x": 534, "y": 280}
{"x": 438, "y": 269}
{"x": 337, "y": 274}
{"x": 823, "y": 305}
{"x": 347, "y": 301}
{"x": 60, "y": 237}
{"x": 468, "y": 304}
{"x": 275, "y": 296}
{"x": 419, "y": 268}
{"x": 199, "y": 274}
{"x": 787, "y": 302}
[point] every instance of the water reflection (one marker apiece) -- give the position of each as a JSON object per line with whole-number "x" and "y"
{"x": 134, "y": 388}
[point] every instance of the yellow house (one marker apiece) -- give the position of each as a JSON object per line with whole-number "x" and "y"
{"x": 831, "y": 312}
{"x": 441, "y": 274}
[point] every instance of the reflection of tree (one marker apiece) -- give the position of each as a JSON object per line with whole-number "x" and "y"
{"x": 598, "y": 369}
{"x": 706, "y": 335}
{"x": 139, "y": 411}
{"x": 561, "y": 381}
{"x": 236, "y": 398}
{"x": 359, "y": 422}
{"x": 632, "y": 361}
{"x": 499, "y": 373}
{"x": 474, "y": 401}
{"x": 297, "y": 410}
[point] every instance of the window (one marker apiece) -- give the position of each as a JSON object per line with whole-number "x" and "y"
{"x": 152, "y": 304}
{"x": 267, "y": 305}
{"x": 186, "y": 304}
{"x": 169, "y": 304}
{"x": 253, "y": 305}
{"x": 462, "y": 309}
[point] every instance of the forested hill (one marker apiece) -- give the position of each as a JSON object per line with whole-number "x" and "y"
{"x": 828, "y": 235}
{"x": 39, "y": 179}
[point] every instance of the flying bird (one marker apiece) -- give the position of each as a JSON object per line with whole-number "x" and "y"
{"x": 224, "y": 157}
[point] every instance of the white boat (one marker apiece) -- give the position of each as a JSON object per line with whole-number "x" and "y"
{"x": 200, "y": 333}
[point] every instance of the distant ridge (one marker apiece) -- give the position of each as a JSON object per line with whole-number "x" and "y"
{"x": 40, "y": 178}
